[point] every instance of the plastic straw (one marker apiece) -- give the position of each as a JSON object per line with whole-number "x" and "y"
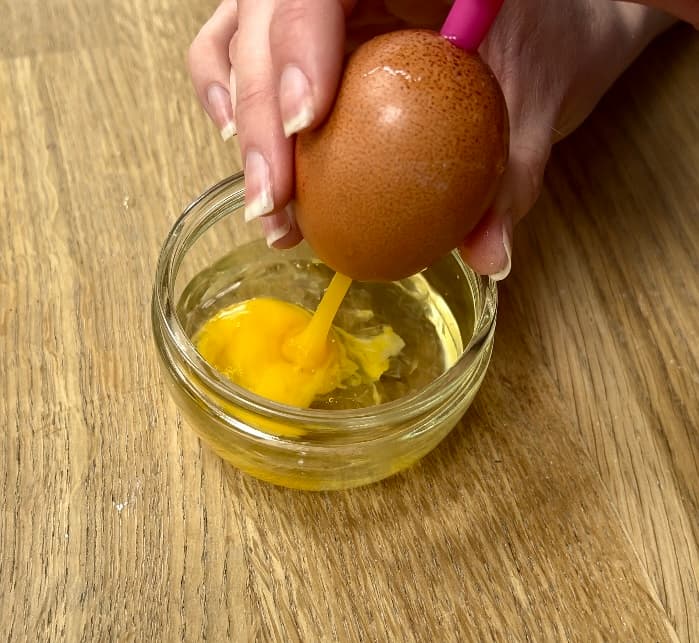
{"x": 469, "y": 21}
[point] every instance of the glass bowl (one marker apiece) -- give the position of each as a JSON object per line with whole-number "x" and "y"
{"x": 210, "y": 258}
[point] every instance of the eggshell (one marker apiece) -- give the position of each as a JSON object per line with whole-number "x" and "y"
{"x": 407, "y": 161}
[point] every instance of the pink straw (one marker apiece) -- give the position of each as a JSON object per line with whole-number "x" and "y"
{"x": 468, "y": 22}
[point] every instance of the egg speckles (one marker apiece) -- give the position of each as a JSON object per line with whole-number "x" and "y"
{"x": 407, "y": 161}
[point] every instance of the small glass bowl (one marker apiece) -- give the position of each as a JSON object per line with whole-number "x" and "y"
{"x": 303, "y": 448}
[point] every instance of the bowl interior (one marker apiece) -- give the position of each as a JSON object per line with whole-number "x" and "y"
{"x": 216, "y": 259}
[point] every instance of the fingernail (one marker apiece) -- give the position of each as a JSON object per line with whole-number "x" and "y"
{"x": 228, "y": 131}
{"x": 290, "y": 210}
{"x": 276, "y": 226}
{"x": 295, "y": 100}
{"x": 258, "y": 186}
{"x": 507, "y": 258}
{"x": 221, "y": 110}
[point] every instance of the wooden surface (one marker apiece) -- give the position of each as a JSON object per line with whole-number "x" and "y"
{"x": 565, "y": 506}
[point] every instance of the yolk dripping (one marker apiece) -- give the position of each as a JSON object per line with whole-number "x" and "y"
{"x": 279, "y": 351}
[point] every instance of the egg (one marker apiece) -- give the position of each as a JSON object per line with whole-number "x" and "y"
{"x": 407, "y": 161}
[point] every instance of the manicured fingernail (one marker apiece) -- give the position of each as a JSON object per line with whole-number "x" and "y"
{"x": 228, "y": 131}
{"x": 507, "y": 255}
{"x": 221, "y": 110}
{"x": 258, "y": 186}
{"x": 290, "y": 210}
{"x": 276, "y": 226}
{"x": 295, "y": 100}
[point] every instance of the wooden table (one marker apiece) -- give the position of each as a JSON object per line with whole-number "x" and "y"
{"x": 565, "y": 505}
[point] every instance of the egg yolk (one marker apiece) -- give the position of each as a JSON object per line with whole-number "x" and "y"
{"x": 283, "y": 353}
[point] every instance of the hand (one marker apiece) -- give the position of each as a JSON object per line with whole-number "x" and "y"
{"x": 271, "y": 67}
{"x": 554, "y": 62}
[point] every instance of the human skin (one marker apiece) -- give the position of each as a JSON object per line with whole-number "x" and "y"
{"x": 270, "y": 68}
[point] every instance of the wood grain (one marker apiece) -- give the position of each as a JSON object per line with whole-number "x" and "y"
{"x": 565, "y": 506}
{"x": 622, "y": 343}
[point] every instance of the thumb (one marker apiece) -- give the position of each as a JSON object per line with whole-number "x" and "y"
{"x": 488, "y": 247}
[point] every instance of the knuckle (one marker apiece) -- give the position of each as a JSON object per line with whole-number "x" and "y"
{"x": 291, "y": 12}
{"x": 288, "y": 17}
{"x": 250, "y": 96}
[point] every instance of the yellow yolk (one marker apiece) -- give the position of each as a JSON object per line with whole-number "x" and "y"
{"x": 283, "y": 353}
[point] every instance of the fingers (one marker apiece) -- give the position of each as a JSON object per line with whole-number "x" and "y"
{"x": 307, "y": 43}
{"x": 210, "y": 67}
{"x": 687, "y": 10}
{"x": 266, "y": 69}
{"x": 488, "y": 247}
{"x": 280, "y": 228}
{"x": 267, "y": 154}
{"x": 286, "y": 58}
{"x": 534, "y": 89}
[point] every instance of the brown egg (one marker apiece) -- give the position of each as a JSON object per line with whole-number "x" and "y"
{"x": 408, "y": 160}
